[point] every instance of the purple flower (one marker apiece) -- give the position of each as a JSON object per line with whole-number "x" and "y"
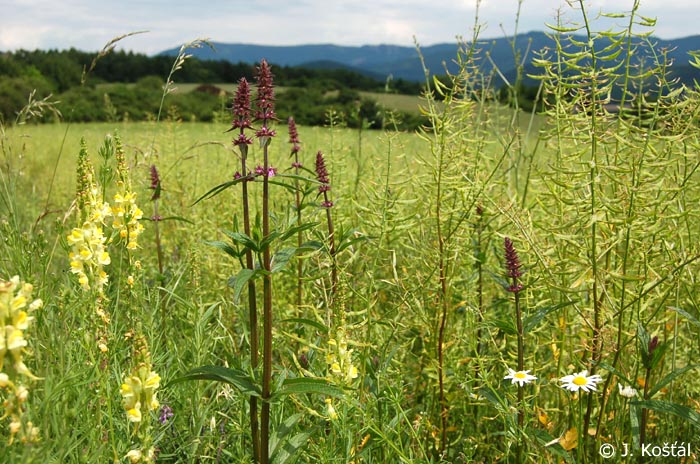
{"x": 241, "y": 106}
{"x": 242, "y": 140}
{"x": 321, "y": 171}
{"x": 297, "y": 165}
{"x": 653, "y": 343}
{"x": 260, "y": 171}
{"x": 512, "y": 266}
{"x": 265, "y": 98}
{"x": 293, "y": 135}
{"x": 166, "y": 413}
{"x": 327, "y": 204}
{"x": 265, "y": 132}
{"x": 155, "y": 183}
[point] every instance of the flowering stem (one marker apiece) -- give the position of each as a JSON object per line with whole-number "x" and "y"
{"x": 252, "y": 310}
{"x": 267, "y": 322}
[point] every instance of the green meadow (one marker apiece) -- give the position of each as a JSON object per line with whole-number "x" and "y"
{"x": 498, "y": 286}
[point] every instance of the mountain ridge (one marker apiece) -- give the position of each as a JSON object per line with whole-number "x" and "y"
{"x": 403, "y": 62}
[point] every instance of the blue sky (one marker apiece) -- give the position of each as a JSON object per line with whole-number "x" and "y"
{"x": 89, "y": 24}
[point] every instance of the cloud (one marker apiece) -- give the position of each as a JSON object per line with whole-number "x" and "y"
{"x": 88, "y": 25}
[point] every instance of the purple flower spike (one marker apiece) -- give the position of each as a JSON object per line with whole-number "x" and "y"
{"x": 293, "y": 135}
{"x": 241, "y": 106}
{"x": 265, "y": 98}
{"x": 321, "y": 171}
{"x": 155, "y": 183}
{"x": 327, "y": 204}
{"x": 297, "y": 165}
{"x": 512, "y": 266}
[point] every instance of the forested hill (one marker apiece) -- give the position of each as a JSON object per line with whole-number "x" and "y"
{"x": 129, "y": 85}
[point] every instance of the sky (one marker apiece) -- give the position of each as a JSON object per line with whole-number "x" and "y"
{"x": 90, "y": 24}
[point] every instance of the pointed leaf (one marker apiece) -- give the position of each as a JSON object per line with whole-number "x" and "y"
{"x": 223, "y": 246}
{"x": 236, "y": 377}
{"x": 693, "y": 417}
{"x": 670, "y": 378}
{"x": 307, "y": 385}
{"x": 533, "y": 320}
{"x": 238, "y": 281}
{"x": 317, "y": 325}
{"x": 281, "y": 258}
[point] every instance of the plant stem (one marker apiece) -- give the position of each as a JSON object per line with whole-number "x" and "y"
{"x": 252, "y": 308}
{"x": 267, "y": 317}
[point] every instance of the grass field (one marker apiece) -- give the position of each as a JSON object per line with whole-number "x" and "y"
{"x": 498, "y": 287}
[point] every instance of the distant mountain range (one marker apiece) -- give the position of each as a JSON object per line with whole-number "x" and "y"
{"x": 400, "y": 62}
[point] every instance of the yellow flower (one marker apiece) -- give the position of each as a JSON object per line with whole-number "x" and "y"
{"x": 134, "y": 456}
{"x": 134, "y": 414}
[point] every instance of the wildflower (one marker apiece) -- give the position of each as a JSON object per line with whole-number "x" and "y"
{"x": 241, "y": 109}
{"x": 580, "y": 381}
{"x": 339, "y": 358}
{"x": 265, "y": 101}
{"x": 265, "y": 98}
{"x": 321, "y": 171}
{"x": 16, "y": 305}
{"x": 155, "y": 183}
{"x": 293, "y": 136}
{"x": 519, "y": 377}
{"x": 627, "y": 391}
{"x": 166, "y": 413}
{"x": 139, "y": 389}
{"x": 134, "y": 456}
{"x": 512, "y": 266}
{"x": 330, "y": 410}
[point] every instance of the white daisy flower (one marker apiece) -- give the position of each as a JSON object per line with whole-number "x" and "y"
{"x": 627, "y": 392}
{"x": 520, "y": 377}
{"x": 580, "y": 381}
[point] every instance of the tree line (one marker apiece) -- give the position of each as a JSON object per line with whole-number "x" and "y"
{"x": 128, "y": 86}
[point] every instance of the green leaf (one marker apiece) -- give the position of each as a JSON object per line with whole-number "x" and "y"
{"x": 670, "y": 378}
{"x": 612, "y": 370}
{"x": 686, "y": 315}
{"x": 506, "y": 326}
{"x": 281, "y": 258}
{"x": 297, "y": 320}
{"x": 307, "y": 385}
{"x": 684, "y": 412}
{"x": 635, "y": 414}
{"x": 288, "y": 453}
{"x": 238, "y": 281}
{"x": 533, "y": 320}
{"x": 243, "y": 240}
{"x": 283, "y": 450}
{"x": 296, "y": 229}
{"x": 172, "y": 218}
{"x": 223, "y": 246}
{"x": 236, "y": 377}
{"x": 217, "y": 190}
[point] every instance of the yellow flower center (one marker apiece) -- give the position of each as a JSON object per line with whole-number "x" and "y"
{"x": 519, "y": 375}
{"x": 580, "y": 381}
